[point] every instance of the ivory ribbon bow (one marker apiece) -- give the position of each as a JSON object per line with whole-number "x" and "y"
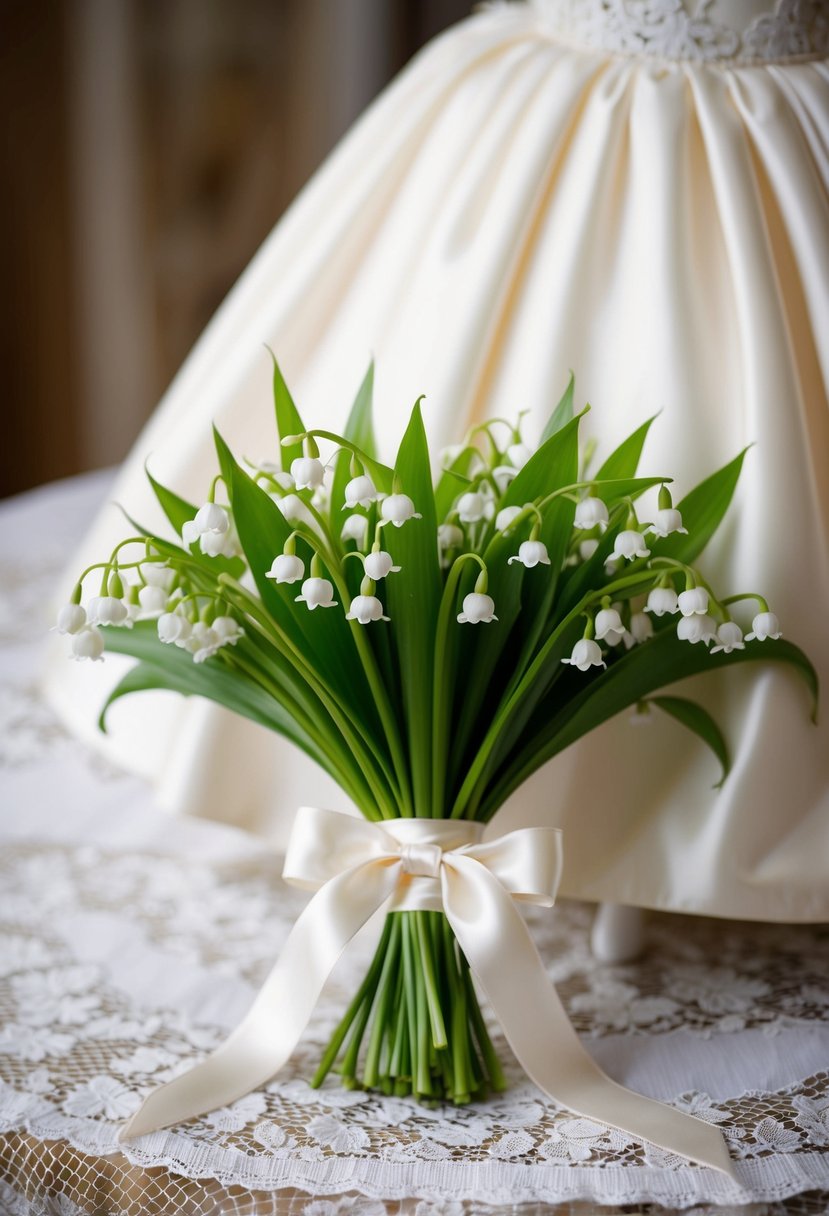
{"x": 356, "y": 868}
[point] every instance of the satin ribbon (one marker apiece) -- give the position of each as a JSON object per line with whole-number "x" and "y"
{"x": 356, "y": 868}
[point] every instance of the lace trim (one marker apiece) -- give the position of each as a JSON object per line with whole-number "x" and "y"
{"x": 790, "y": 31}
{"x": 79, "y": 1045}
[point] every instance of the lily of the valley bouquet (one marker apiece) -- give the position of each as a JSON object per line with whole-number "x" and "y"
{"x": 430, "y": 646}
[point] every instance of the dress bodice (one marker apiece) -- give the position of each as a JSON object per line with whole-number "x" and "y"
{"x": 741, "y": 31}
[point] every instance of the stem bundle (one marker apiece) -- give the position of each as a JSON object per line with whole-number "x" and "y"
{"x": 415, "y": 1025}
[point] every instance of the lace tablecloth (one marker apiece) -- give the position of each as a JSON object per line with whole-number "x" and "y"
{"x": 131, "y": 943}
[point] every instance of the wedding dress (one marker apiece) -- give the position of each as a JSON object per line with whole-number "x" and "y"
{"x": 635, "y": 189}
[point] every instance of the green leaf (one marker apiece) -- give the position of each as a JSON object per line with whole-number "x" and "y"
{"x": 702, "y": 512}
{"x": 360, "y": 431}
{"x": 698, "y": 720}
{"x": 288, "y": 421}
{"x": 453, "y": 481}
{"x": 563, "y": 412}
{"x": 412, "y": 601}
{"x": 642, "y": 671}
{"x": 177, "y": 510}
{"x": 543, "y": 472}
{"x": 624, "y": 461}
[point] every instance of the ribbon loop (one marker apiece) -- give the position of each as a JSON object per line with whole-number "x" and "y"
{"x": 356, "y": 868}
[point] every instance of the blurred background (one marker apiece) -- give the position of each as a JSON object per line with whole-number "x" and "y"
{"x": 148, "y": 148}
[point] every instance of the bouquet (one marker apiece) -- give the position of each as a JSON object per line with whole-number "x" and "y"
{"x": 428, "y": 645}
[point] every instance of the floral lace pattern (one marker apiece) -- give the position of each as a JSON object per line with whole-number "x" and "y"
{"x": 681, "y": 29}
{"x": 78, "y": 1052}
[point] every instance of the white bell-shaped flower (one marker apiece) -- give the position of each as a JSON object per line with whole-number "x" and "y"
{"x": 219, "y": 544}
{"x": 531, "y": 553}
{"x": 450, "y": 536}
{"x": 228, "y": 630}
{"x": 190, "y": 532}
{"x": 630, "y": 544}
{"x": 471, "y": 507}
{"x": 203, "y": 642}
{"x": 360, "y": 492}
{"x": 107, "y": 610}
{"x": 173, "y": 628}
{"x": 693, "y": 602}
{"x": 308, "y": 472}
{"x": 355, "y": 528}
{"x": 157, "y": 575}
{"x": 294, "y": 509}
{"x": 662, "y": 600}
{"x": 317, "y": 593}
{"x": 587, "y": 548}
{"x": 286, "y": 568}
{"x": 586, "y": 654}
{"x": 477, "y": 608}
{"x": 591, "y": 513}
{"x": 765, "y": 625}
{"x": 729, "y": 637}
{"x": 88, "y": 643}
{"x": 211, "y": 518}
{"x": 505, "y": 517}
{"x": 609, "y": 626}
{"x": 667, "y": 521}
{"x": 641, "y": 627}
{"x": 397, "y": 509}
{"x": 378, "y": 565}
{"x": 364, "y": 609}
{"x": 152, "y": 601}
{"x": 71, "y": 619}
{"x": 518, "y": 454}
{"x": 696, "y": 628}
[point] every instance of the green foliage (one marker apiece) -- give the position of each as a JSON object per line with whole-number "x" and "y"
{"x": 423, "y": 715}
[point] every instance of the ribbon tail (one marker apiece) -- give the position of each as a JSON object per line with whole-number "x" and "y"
{"x": 497, "y": 944}
{"x": 266, "y": 1037}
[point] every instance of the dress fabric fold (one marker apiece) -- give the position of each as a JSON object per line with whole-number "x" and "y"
{"x": 511, "y": 207}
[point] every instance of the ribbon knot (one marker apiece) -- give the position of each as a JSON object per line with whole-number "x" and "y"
{"x": 421, "y": 860}
{"x": 356, "y": 869}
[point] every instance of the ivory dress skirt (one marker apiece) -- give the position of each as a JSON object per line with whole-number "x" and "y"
{"x": 635, "y": 191}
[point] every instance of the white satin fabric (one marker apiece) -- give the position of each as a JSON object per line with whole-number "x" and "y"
{"x": 511, "y": 207}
